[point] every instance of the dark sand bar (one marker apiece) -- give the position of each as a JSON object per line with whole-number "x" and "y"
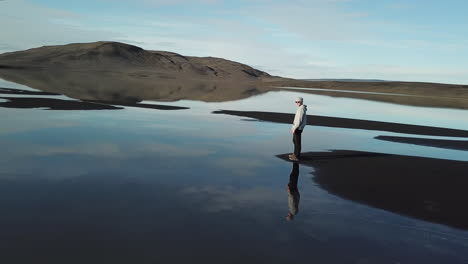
{"x": 141, "y": 105}
{"x": 339, "y": 122}
{"x": 60, "y": 104}
{"x": 438, "y": 143}
{"x": 53, "y": 104}
{"x": 434, "y": 190}
{"x": 23, "y": 92}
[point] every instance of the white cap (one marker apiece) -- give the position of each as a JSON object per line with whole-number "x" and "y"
{"x": 300, "y": 99}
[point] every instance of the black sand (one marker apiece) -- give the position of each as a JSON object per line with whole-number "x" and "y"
{"x": 438, "y": 143}
{"x": 430, "y": 189}
{"x": 338, "y": 122}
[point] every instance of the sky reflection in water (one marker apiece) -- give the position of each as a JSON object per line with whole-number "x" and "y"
{"x": 188, "y": 185}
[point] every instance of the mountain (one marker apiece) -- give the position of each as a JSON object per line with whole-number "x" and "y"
{"x": 113, "y": 71}
{"x": 115, "y": 56}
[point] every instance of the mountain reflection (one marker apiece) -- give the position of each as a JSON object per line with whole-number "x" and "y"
{"x": 130, "y": 87}
{"x": 61, "y": 104}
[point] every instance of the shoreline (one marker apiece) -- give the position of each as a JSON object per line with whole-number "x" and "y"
{"x": 430, "y": 189}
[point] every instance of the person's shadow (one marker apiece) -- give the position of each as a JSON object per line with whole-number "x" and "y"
{"x": 293, "y": 192}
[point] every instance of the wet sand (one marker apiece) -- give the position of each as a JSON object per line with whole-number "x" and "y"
{"x": 338, "y": 122}
{"x": 23, "y": 92}
{"x": 60, "y": 104}
{"x": 52, "y": 104}
{"x": 141, "y": 105}
{"x": 429, "y": 189}
{"x": 438, "y": 143}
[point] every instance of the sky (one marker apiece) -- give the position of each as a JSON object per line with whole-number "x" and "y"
{"x": 412, "y": 40}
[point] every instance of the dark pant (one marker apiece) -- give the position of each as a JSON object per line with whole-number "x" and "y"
{"x": 297, "y": 142}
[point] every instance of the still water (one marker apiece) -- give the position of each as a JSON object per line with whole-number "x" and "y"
{"x": 138, "y": 185}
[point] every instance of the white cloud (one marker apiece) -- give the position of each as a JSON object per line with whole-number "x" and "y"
{"x": 90, "y": 149}
{"x": 314, "y": 20}
{"x": 106, "y": 149}
{"x": 31, "y": 25}
{"x": 167, "y": 2}
{"x": 12, "y": 125}
{"x": 178, "y": 2}
{"x": 240, "y": 166}
{"x": 401, "y": 6}
{"x": 246, "y": 35}
{"x": 175, "y": 151}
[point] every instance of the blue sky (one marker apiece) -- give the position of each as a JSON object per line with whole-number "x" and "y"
{"x": 392, "y": 40}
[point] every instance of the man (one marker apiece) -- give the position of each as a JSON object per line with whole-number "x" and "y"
{"x": 300, "y": 121}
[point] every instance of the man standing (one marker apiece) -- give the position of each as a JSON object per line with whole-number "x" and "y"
{"x": 300, "y": 121}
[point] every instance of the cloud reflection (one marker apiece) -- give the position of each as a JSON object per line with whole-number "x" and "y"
{"x": 228, "y": 198}
{"x": 174, "y": 150}
{"x": 105, "y": 150}
{"x": 241, "y": 166}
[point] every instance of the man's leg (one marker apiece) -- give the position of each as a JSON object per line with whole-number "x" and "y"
{"x": 294, "y": 143}
{"x": 297, "y": 142}
{"x": 293, "y": 155}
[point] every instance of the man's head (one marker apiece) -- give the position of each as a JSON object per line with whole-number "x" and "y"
{"x": 299, "y": 101}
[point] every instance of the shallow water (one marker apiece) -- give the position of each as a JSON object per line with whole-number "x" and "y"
{"x": 145, "y": 185}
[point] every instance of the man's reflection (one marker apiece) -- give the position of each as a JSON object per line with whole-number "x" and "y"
{"x": 293, "y": 192}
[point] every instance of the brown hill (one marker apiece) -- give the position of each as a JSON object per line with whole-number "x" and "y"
{"x": 113, "y": 71}
{"x": 115, "y": 56}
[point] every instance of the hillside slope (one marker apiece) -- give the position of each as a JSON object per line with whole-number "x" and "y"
{"x": 115, "y": 56}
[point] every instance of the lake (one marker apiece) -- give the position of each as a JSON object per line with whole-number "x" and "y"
{"x": 181, "y": 183}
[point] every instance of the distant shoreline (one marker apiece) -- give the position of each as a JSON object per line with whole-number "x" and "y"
{"x": 344, "y": 80}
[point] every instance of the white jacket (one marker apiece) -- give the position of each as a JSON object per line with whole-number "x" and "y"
{"x": 300, "y": 119}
